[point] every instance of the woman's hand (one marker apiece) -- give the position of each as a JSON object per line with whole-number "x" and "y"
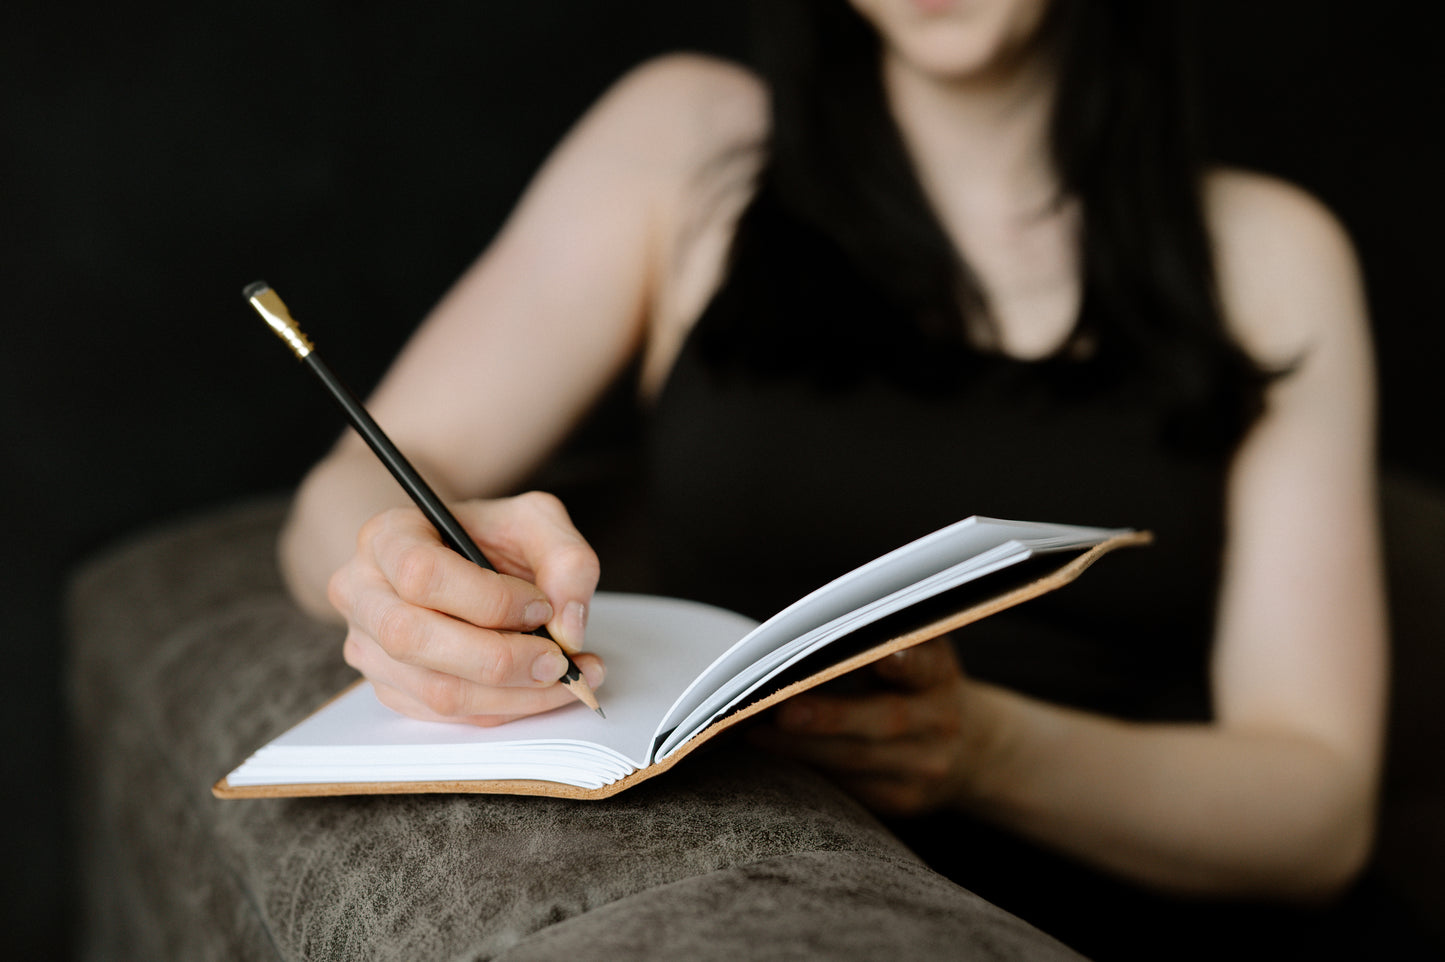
{"x": 902, "y": 751}
{"x": 442, "y": 639}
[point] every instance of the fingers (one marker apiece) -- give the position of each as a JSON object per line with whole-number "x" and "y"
{"x": 422, "y": 571}
{"x": 885, "y": 715}
{"x": 444, "y": 639}
{"x": 883, "y": 733}
{"x": 922, "y": 666}
{"x": 897, "y": 753}
{"x": 919, "y": 757}
{"x": 421, "y": 637}
{"x": 901, "y": 751}
{"x": 929, "y": 676}
{"x": 894, "y": 776}
{"x": 532, "y": 537}
{"x": 442, "y": 696}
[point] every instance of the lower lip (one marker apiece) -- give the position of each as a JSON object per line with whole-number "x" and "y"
{"x": 932, "y": 6}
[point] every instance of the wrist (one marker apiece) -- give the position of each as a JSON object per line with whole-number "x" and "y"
{"x": 988, "y": 746}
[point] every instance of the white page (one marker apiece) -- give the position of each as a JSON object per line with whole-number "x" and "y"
{"x": 653, "y": 647}
{"x": 882, "y": 576}
{"x": 738, "y": 689}
{"x": 995, "y": 559}
{"x": 581, "y": 773}
{"x": 740, "y": 686}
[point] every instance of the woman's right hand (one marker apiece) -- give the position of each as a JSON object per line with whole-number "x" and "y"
{"x": 442, "y": 639}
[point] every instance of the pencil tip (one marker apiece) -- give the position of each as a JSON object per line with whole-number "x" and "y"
{"x": 578, "y": 686}
{"x": 599, "y": 711}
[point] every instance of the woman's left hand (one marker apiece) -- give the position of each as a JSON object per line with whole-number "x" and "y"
{"x": 905, "y": 750}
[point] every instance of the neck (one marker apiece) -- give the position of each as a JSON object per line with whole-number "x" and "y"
{"x": 981, "y": 139}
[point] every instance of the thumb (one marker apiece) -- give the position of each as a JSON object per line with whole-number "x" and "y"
{"x": 532, "y": 537}
{"x": 922, "y": 666}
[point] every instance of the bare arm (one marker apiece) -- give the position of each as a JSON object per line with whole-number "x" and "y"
{"x": 494, "y": 379}
{"x": 511, "y": 356}
{"x": 1276, "y": 797}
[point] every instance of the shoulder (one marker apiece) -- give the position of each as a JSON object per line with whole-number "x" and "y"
{"x": 685, "y": 106}
{"x": 695, "y": 79}
{"x": 1288, "y": 275}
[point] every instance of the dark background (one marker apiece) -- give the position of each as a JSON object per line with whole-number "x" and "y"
{"x": 159, "y": 156}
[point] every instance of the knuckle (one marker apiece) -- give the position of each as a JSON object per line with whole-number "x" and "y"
{"x": 417, "y": 573}
{"x": 496, "y": 664}
{"x": 934, "y": 767}
{"x": 372, "y": 528}
{"x": 401, "y": 632}
{"x": 442, "y": 694}
{"x": 491, "y": 605}
{"x": 542, "y": 503}
{"x": 896, "y": 719}
{"x": 352, "y": 653}
{"x": 338, "y": 589}
{"x": 579, "y": 558}
{"x": 489, "y": 721}
{"x": 383, "y": 526}
{"x": 388, "y": 697}
{"x": 817, "y": 716}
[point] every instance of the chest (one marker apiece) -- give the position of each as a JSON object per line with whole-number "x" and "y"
{"x": 764, "y": 489}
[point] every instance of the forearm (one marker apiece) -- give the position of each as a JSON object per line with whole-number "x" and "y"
{"x": 1197, "y": 809}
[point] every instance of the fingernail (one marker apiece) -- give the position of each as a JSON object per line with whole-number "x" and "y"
{"x": 538, "y": 612}
{"x": 574, "y": 625}
{"x": 894, "y": 665}
{"x": 549, "y": 666}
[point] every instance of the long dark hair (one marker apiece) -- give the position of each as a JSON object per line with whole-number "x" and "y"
{"x": 1125, "y": 145}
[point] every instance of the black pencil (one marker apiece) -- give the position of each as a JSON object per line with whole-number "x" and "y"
{"x": 269, "y": 305}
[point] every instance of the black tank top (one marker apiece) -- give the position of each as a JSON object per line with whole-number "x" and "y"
{"x": 805, "y": 430}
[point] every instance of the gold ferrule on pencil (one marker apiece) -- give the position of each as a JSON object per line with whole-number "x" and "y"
{"x": 270, "y": 306}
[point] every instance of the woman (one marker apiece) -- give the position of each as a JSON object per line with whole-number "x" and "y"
{"x": 963, "y": 246}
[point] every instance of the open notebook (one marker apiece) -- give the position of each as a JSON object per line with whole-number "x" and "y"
{"x": 678, "y": 673}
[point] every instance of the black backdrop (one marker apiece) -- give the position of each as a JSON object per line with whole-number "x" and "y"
{"x": 158, "y": 156}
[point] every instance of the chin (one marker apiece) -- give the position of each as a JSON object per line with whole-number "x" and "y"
{"x": 947, "y": 54}
{"x": 955, "y": 39}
